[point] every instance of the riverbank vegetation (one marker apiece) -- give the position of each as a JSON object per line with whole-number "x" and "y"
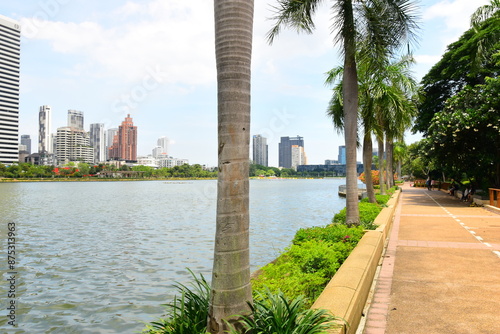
{"x": 27, "y": 171}
{"x": 291, "y": 283}
{"x": 84, "y": 171}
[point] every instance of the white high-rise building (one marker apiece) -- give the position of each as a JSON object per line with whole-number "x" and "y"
{"x": 44, "y": 130}
{"x": 73, "y": 145}
{"x": 161, "y": 150}
{"x": 75, "y": 119}
{"x": 298, "y": 156}
{"x": 98, "y": 141}
{"x": 10, "y": 54}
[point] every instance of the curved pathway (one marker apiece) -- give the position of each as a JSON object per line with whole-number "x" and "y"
{"x": 441, "y": 270}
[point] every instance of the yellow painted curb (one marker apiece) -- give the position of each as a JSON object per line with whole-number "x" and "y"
{"x": 346, "y": 293}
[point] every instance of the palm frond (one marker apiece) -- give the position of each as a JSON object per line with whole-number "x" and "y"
{"x": 295, "y": 14}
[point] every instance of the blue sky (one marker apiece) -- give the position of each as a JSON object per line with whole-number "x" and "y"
{"x": 155, "y": 59}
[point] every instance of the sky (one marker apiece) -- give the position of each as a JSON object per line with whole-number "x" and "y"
{"x": 155, "y": 60}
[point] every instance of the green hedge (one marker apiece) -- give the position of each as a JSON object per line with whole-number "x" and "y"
{"x": 310, "y": 262}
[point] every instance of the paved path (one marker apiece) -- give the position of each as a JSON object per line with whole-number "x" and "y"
{"x": 441, "y": 270}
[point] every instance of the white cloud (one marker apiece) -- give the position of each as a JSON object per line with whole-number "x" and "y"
{"x": 427, "y": 59}
{"x": 176, "y": 36}
{"x": 455, "y": 13}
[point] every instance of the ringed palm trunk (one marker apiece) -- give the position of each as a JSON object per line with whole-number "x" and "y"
{"x": 231, "y": 290}
{"x": 350, "y": 98}
{"x": 367, "y": 166}
{"x": 381, "y": 164}
{"x": 389, "y": 164}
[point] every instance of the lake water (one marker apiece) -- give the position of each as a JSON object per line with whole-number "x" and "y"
{"x": 100, "y": 257}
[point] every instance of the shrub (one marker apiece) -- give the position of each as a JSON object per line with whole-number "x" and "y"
{"x": 367, "y": 214}
{"x": 275, "y": 313}
{"x": 330, "y": 233}
{"x": 381, "y": 199}
{"x": 187, "y": 314}
{"x": 304, "y": 269}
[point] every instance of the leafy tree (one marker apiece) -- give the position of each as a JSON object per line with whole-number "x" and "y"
{"x": 230, "y": 288}
{"x": 84, "y": 168}
{"x": 383, "y": 24}
{"x": 467, "y": 132}
{"x": 457, "y": 69}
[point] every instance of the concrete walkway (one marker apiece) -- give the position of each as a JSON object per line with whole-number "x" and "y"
{"x": 441, "y": 270}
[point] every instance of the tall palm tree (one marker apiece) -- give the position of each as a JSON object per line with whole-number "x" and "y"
{"x": 400, "y": 153}
{"x": 231, "y": 290}
{"x": 352, "y": 18}
{"x": 386, "y": 107}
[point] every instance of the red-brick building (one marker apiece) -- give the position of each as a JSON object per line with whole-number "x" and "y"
{"x": 125, "y": 142}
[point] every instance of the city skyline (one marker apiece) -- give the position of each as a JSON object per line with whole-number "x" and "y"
{"x": 123, "y": 61}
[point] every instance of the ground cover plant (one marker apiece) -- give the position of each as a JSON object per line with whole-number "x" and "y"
{"x": 188, "y": 313}
{"x": 285, "y": 289}
{"x": 275, "y": 313}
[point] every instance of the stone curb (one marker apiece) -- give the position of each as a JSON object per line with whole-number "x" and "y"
{"x": 346, "y": 294}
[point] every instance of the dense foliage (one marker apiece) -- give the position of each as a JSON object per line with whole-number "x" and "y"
{"x": 316, "y": 254}
{"x": 467, "y": 133}
{"x": 283, "y": 290}
{"x": 467, "y": 62}
{"x": 79, "y": 170}
{"x": 310, "y": 262}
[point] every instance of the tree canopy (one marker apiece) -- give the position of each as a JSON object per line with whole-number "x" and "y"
{"x": 458, "y": 68}
{"x": 465, "y": 136}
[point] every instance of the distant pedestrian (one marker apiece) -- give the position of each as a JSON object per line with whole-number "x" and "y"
{"x": 428, "y": 183}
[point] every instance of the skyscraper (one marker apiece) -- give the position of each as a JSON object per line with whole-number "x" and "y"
{"x": 98, "y": 141}
{"x": 75, "y": 119}
{"x": 342, "y": 155}
{"x": 44, "y": 130}
{"x": 10, "y": 54}
{"x": 26, "y": 141}
{"x": 298, "y": 156}
{"x": 285, "y": 150}
{"x": 260, "y": 150}
{"x": 162, "y": 147}
{"x": 73, "y": 145}
{"x": 110, "y": 136}
{"x": 125, "y": 142}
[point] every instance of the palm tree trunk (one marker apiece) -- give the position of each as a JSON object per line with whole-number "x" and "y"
{"x": 231, "y": 288}
{"x": 350, "y": 98}
{"x": 398, "y": 170}
{"x": 389, "y": 165}
{"x": 381, "y": 164}
{"x": 367, "y": 166}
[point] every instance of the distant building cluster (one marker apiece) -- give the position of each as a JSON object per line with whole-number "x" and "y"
{"x": 291, "y": 152}
{"x": 73, "y": 143}
{"x": 160, "y": 157}
{"x": 292, "y": 155}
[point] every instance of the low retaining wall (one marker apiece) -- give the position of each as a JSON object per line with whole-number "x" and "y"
{"x": 346, "y": 294}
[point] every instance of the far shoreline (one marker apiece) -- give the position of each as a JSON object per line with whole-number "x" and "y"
{"x": 83, "y": 179}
